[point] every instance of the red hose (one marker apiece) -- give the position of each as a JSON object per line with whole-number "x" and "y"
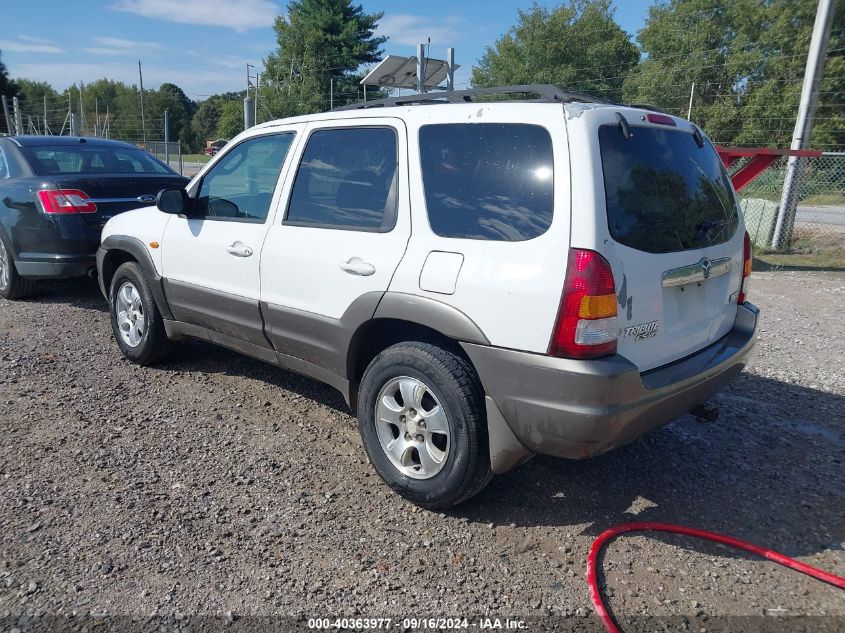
{"x": 604, "y": 537}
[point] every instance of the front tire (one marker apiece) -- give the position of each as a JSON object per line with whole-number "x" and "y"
{"x": 421, "y": 418}
{"x": 135, "y": 318}
{"x": 12, "y": 285}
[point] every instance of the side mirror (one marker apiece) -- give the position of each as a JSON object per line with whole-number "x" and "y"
{"x": 173, "y": 201}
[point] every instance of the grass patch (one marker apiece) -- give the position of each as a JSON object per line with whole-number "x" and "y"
{"x": 825, "y": 200}
{"x": 195, "y": 158}
{"x": 809, "y": 250}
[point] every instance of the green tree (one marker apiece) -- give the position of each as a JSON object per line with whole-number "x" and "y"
{"x": 577, "y": 45}
{"x": 747, "y": 60}
{"x": 318, "y": 41}
{"x": 33, "y": 92}
{"x": 204, "y": 121}
{"x": 179, "y": 108}
{"x": 231, "y": 121}
{"x": 7, "y": 86}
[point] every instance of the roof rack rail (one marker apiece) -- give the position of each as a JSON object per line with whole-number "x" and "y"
{"x": 547, "y": 93}
{"x": 647, "y": 106}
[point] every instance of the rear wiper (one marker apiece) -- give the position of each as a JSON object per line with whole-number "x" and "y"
{"x": 623, "y": 125}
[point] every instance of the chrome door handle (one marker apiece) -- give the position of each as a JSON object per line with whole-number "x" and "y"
{"x": 239, "y": 249}
{"x": 357, "y": 266}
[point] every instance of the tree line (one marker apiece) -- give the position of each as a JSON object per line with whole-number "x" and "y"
{"x": 739, "y": 63}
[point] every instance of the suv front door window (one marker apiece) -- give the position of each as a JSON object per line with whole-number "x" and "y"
{"x": 211, "y": 259}
{"x": 241, "y": 184}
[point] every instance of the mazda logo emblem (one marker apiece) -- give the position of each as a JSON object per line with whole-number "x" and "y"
{"x": 146, "y": 198}
{"x": 706, "y": 267}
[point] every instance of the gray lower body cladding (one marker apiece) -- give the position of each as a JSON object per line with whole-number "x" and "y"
{"x": 577, "y": 409}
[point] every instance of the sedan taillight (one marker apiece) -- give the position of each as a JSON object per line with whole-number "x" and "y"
{"x": 66, "y": 201}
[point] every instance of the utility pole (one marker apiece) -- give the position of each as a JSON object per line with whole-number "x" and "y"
{"x": 691, "y": 93}
{"x": 10, "y": 126}
{"x": 143, "y": 120}
{"x": 420, "y": 68}
{"x": 331, "y": 93}
{"x": 74, "y": 124}
{"x": 46, "y": 126}
{"x": 81, "y": 110}
{"x": 166, "y": 140}
{"x": 450, "y": 69}
{"x": 249, "y": 107}
{"x": 257, "y": 85}
{"x": 804, "y": 123}
{"x": 16, "y": 106}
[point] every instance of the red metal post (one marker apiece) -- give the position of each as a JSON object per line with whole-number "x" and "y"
{"x": 761, "y": 160}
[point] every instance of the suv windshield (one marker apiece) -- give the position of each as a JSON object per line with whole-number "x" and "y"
{"x": 49, "y": 160}
{"x": 665, "y": 193}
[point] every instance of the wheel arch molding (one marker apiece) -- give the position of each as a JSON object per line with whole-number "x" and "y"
{"x": 117, "y": 249}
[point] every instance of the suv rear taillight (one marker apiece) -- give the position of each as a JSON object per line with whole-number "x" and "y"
{"x": 746, "y": 270}
{"x": 586, "y": 319}
{"x": 65, "y": 201}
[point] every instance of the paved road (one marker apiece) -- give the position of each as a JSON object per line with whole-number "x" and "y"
{"x": 821, "y": 215}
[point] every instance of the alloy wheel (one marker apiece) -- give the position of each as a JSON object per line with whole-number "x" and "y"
{"x": 130, "y": 314}
{"x": 412, "y": 427}
{"x": 5, "y": 267}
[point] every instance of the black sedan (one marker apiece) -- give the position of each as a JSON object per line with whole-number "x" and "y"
{"x": 56, "y": 193}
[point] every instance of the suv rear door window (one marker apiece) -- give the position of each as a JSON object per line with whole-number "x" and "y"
{"x": 347, "y": 179}
{"x": 665, "y": 193}
{"x": 488, "y": 181}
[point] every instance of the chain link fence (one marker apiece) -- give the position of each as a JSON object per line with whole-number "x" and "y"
{"x": 818, "y": 201}
{"x": 169, "y": 153}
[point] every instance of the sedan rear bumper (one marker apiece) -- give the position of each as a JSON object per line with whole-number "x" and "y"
{"x": 46, "y": 266}
{"x": 577, "y": 409}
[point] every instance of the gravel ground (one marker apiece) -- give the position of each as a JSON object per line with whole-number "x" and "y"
{"x": 218, "y": 485}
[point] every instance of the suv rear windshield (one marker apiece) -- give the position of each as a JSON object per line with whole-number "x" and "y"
{"x": 60, "y": 159}
{"x": 665, "y": 193}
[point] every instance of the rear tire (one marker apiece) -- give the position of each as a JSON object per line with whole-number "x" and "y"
{"x": 12, "y": 285}
{"x": 135, "y": 318}
{"x": 421, "y": 418}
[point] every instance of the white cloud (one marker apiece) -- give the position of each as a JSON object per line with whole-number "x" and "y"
{"x": 117, "y": 46}
{"x": 411, "y": 30}
{"x": 240, "y": 15}
{"x": 28, "y": 44}
{"x": 230, "y": 61}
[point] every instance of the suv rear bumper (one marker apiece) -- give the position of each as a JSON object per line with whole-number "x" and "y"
{"x": 577, "y": 409}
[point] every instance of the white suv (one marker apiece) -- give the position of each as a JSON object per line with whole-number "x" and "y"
{"x": 482, "y": 279}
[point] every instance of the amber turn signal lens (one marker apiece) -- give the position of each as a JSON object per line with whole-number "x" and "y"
{"x": 154, "y": 244}
{"x": 597, "y": 306}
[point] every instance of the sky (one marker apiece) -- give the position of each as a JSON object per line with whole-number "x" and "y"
{"x": 203, "y": 45}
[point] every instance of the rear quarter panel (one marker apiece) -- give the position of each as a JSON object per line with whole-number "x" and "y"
{"x": 511, "y": 290}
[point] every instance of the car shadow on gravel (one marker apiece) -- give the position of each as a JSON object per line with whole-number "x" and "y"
{"x": 80, "y": 293}
{"x": 769, "y": 470}
{"x": 195, "y": 356}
